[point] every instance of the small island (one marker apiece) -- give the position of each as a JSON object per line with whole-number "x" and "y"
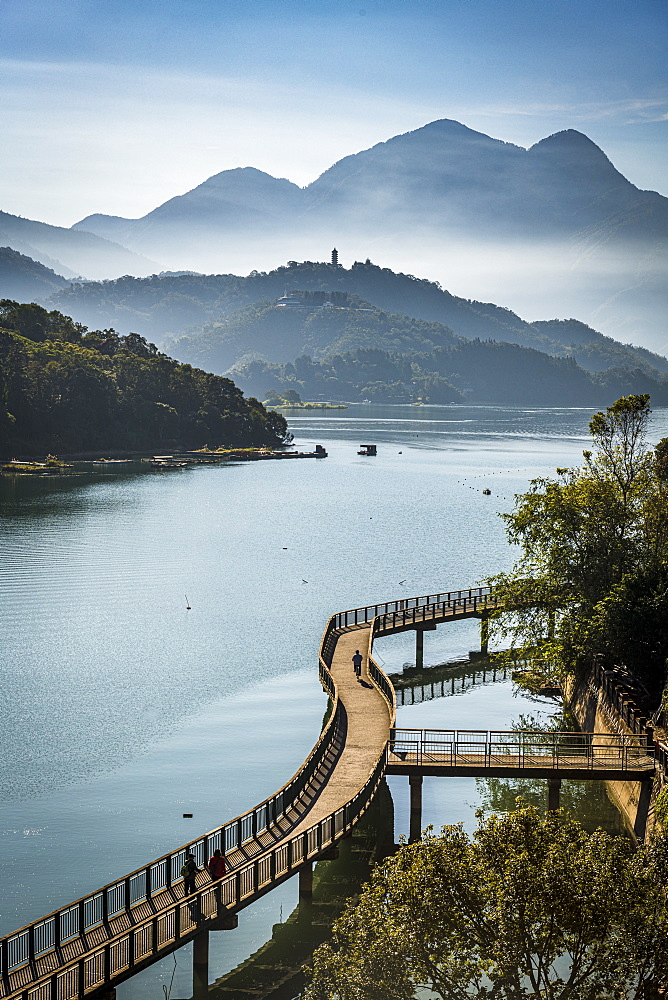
{"x": 291, "y": 400}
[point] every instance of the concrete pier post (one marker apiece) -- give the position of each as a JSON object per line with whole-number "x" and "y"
{"x": 415, "y": 827}
{"x": 644, "y": 799}
{"x": 419, "y": 644}
{"x": 419, "y": 648}
{"x": 201, "y": 965}
{"x": 553, "y": 793}
{"x": 484, "y": 634}
{"x": 306, "y": 894}
{"x": 306, "y": 883}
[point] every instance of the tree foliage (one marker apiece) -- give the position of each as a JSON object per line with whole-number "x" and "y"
{"x": 65, "y": 389}
{"x": 592, "y": 576}
{"x": 531, "y": 907}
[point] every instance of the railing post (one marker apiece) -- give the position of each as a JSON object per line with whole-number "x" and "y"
{"x": 31, "y": 949}
{"x": 126, "y": 882}
{"x": 81, "y": 977}
{"x": 148, "y": 882}
{"x": 131, "y": 946}
{"x": 239, "y": 833}
{"x": 168, "y": 872}
{"x": 57, "y": 935}
{"x": 82, "y": 920}
{"x": 4, "y": 957}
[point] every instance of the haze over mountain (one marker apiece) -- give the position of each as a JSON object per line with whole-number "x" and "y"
{"x": 69, "y": 252}
{"x": 165, "y": 307}
{"x": 550, "y": 230}
{"x": 25, "y": 279}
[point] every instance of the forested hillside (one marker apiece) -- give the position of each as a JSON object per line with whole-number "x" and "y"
{"x": 65, "y": 389}
{"x": 165, "y": 307}
{"x": 26, "y": 279}
{"x": 483, "y": 372}
{"x": 277, "y": 333}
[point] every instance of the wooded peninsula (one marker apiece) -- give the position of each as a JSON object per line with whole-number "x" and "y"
{"x": 69, "y": 390}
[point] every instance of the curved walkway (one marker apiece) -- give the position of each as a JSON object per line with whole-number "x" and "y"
{"x": 98, "y": 941}
{"x": 369, "y": 719}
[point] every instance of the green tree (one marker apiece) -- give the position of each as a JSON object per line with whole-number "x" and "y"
{"x": 594, "y": 549}
{"x": 531, "y": 906}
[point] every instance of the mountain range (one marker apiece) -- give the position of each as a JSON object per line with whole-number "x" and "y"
{"x": 554, "y": 229}
{"x": 444, "y": 176}
{"x": 195, "y": 310}
{"x": 70, "y": 253}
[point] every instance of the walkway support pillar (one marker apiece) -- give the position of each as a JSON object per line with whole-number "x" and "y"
{"x": 484, "y": 634}
{"x": 305, "y": 914}
{"x": 642, "y": 812}
{"x": 201, "y": 965}
{"x": 419, "y": 644}
{"x": 419, "y": 648}
{"x": 553, "y": 793}
{"x": 415, "y": 828}
{"x": 306, "y": 883}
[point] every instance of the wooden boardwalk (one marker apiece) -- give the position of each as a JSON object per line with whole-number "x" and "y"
{"x": 369, "y": 719}
{"x": 94, "y": 943}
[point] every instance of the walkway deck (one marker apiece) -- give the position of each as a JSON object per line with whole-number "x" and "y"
{"x": 368, "y": 728}
{"x": 98, "y": 941}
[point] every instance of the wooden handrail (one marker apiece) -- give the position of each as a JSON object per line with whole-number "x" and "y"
{"x": 41, "y": 962}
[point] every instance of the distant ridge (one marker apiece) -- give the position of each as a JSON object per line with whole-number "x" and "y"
{"x": 25, "y": 279}
{"x": 167, "y": 307}
{"x": 443, "y": 171}
{"x": 449, "y": 201}
{"x": 69, "y": 251}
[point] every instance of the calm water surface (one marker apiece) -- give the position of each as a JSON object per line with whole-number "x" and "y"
{"x": 122, "y": 710}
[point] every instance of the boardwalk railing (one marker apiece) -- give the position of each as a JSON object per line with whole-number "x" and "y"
{"x": 126, "y": 924}
{"x": 415, "y": 609}
{"x": 456, "y": 748}
{"x": 108, "y": 935}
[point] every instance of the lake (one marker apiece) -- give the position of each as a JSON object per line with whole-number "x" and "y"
{"x": 123, "y": 710}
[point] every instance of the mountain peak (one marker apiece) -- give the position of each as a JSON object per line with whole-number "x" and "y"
{"x": 574, "y": 153}
{"x": 570, "y": 142}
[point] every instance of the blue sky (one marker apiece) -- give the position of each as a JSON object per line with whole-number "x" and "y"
{"x": 117, "y": 106}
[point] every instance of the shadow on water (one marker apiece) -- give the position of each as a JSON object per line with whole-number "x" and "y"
{"x": 274, "y": 972}
{"x": 445, "y": 680}
{"x": 587, "y": 801}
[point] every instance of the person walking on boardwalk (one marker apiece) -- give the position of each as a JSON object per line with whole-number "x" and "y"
{"x": 217, "y": 865}
{"x": 189, "y": 869}
{"x": 357, "y": 663}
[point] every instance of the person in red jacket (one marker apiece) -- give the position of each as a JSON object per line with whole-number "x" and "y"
{"x": 217, "y": 865}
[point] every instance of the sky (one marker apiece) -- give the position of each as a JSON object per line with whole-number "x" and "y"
{"x": 114, "y": 106}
